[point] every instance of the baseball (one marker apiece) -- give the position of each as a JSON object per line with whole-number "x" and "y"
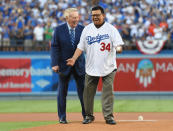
{"x": 140, "y": 118}
{"x": 118, "y": 48}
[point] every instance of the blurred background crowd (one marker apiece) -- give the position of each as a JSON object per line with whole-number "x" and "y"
{"x": 27, "y": 25}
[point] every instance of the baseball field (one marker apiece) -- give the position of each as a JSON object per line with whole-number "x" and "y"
{"x": 40, "y": 115}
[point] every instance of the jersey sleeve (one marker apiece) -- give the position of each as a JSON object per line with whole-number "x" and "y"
{"x": 116, "y": 37}
{"x": 81, "y": 44}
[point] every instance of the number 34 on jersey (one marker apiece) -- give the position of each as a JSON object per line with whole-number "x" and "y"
{"x": 105, "y": 47}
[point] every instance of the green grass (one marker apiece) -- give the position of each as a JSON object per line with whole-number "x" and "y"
{"x": 17, "y": 106}
{"x": 28, "y": 106}
{"x": 143, "y": 106}
{"x": 8, "y": 126}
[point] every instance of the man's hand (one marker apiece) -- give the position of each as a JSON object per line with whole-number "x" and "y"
{"x": 55, "y": 68}
{"x": 119, "y": 49}
{"x": 71, "y": 61}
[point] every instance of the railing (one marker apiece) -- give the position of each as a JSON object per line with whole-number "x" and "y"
{"x": 31, "y": 45}
{"x": 24, "y": 45}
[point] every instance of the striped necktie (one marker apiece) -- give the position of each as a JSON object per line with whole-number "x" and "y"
{"x": 72, "y": 36}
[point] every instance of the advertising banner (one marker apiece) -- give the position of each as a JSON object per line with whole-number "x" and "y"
{"x": 41, "y": 75}
{"x": 143, "y": 74}
{"x": 15, "y": 75}
{"x": 133, "y": 74}
{"x": 29, "y": 75}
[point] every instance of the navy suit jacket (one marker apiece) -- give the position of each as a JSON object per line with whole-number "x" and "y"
{"x": 62, "y": 49}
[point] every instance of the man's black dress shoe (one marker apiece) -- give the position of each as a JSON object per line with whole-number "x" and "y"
{"x": 63, "y": 121}
{"x": 111, "y": 122}
{"x": 88, "y": 119}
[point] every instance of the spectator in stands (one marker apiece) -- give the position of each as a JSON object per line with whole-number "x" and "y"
{"x": 19, "y": 31}
{"x": 163, "y": 23}
{"x": 20, "y": 39}
{"x": 6, "y": 38}
{"x": 151, "y": 28}
{"x": 38, "y": 37}
{"x": 28, "y": 37}
{"x": 126, "y": 35}
{"x": 1, "y": 35}
{"x": 120, "y": 11}
{"x": 170, "y": 39}
{"x": 13, "y": 36}
{"x": 48, "y": 31}
{"x": 158, "y": 32}
{"x": 20, "y": 22}
{"x": 53, "y": 23}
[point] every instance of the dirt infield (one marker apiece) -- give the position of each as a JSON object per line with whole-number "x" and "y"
{"x": 125, "y": 122}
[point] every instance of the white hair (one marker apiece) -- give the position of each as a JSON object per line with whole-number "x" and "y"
{"x": 68, "y": 11}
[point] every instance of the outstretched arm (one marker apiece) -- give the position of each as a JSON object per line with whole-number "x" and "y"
{"x": 72, "y": 60}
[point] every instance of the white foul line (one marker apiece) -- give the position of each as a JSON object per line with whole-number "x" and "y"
{"x": 137, "y": 120}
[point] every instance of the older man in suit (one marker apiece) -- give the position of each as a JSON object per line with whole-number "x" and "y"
{"x": 63, "y": 45}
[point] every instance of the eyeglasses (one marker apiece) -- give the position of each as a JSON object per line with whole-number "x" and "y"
{"x": 96, "y": 15}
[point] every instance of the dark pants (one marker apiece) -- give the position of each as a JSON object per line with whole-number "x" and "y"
{"x": 62, "y": 92}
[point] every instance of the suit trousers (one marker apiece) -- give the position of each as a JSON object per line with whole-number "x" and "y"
{"x": 63, "y": 89}
{"x": 91, "y": 83}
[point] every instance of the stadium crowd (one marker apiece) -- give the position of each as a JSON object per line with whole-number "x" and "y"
{"x": 28, "y": 24}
